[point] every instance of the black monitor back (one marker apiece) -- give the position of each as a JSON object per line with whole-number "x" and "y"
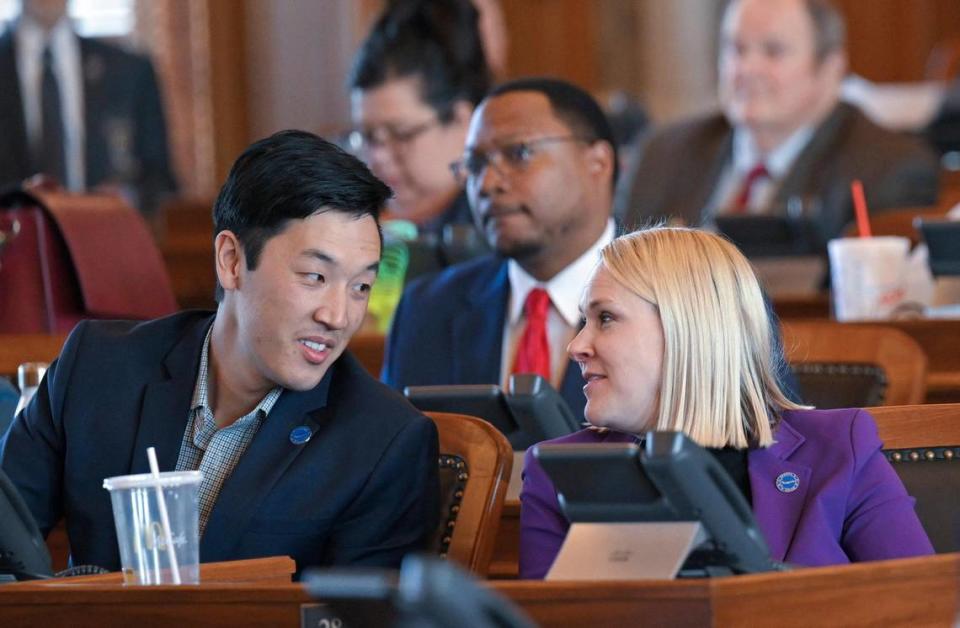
{"x": 943, "y": 241}
{"x": 529, "y": 412}
{"x": 23, "y": 553}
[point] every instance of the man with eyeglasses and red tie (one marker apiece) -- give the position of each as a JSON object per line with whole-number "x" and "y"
{"x": 538, "y": 169}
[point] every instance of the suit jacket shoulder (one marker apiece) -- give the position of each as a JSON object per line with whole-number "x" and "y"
{"x": 678, "y": 169}
{"x": 897, "y": 170}
{"x": 14, "y": 153}
{"x": 448, "y": 327}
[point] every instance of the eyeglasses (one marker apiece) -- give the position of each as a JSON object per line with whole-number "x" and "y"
{"x": 506, "y": 159}
{"x": 367, "y": 139}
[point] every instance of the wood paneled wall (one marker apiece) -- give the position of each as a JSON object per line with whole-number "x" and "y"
{"x": 660, "y": 50}
{"x": 554, "y": 37}
{"x": 891, "y": 40}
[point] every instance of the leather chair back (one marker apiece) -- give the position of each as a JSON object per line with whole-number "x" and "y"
{"x": 475, "y": 463}
{"x": 848, "y": 365}
{"x": 69, "y": 257}
{"x": 923, "y": 445}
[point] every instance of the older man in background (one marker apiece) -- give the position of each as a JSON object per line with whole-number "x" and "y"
{"x": 784, "y": 143}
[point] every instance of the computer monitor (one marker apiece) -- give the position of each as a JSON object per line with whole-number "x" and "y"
{"x": 772, "y": 236}
{"x": 671, "y": 479}
{"x": 528, "y": 412}
{"x": 943, "y": 243}
{"x": 427, "y": 592}
{"x": 23, "y": 553}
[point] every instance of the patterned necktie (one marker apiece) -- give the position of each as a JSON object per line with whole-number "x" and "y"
{"x": 51, "y": 158}
{"x": 742, "y": 202}
{"x": 533, "y": 353}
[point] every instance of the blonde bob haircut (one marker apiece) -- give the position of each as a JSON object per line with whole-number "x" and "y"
{"x": 719, "y": 385}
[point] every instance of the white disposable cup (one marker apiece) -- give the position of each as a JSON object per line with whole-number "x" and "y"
{"x": 144, "y": 554}
{"x": 867, "y": 276}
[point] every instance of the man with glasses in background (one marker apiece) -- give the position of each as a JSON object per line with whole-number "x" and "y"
{"x": 539, "y": 170}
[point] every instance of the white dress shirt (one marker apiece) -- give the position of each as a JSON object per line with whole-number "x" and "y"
{"x": 563, "y": 317}
{"x": 746, "y": 155}
{"x": 30, "y": 40}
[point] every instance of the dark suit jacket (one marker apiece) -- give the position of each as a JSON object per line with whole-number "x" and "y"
{"x": 362, "y": 491}
{"x": 126, "y": 136}
{"x": 448, "y": 329}
{"x": 682, "y": 164}
{"x": 9, "y": 397}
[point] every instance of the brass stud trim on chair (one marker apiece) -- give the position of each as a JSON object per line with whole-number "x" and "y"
{"x": 923, "y": 454}
{"x": 458, "y": 464}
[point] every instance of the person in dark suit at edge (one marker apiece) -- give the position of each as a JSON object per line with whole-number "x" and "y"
{"x": 784, "y": 144}
{"x": 413, "y": 87}
{"x": 303, "y": 453}
{"x": 539, "y": 170}
{"x": 81, "y": 111}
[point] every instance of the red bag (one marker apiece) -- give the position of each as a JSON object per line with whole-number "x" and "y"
{"x": 68, "y": 257}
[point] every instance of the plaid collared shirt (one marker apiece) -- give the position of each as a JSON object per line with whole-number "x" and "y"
{"x": 214, "y": 451}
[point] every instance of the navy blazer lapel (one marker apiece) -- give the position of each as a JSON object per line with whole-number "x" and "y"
{"x": 778, "y": 512}
{"x": 263, "y": 463}
{"x": 166, "y": 402}
{"x": 478, "y": 330}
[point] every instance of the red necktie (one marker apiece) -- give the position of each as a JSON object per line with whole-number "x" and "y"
{"x": 742, "y": 202}
{"x": 533, "y": 352}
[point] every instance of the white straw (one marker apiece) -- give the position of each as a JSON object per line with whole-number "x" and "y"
{"x": 164, "y": 518}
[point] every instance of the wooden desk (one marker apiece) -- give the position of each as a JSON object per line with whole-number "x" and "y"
{"x": 506, "y": 547}
{"x": 908, "y": 592}
{"x": 235, "y": 593}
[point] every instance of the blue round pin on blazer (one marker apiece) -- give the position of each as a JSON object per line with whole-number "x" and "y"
{"x": 788, "y": 482}
{"x": 300, "y": 435}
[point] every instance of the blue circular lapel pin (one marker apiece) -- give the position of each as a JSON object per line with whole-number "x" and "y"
{"x": 300, "y": 435}
{"x": 788, "y": 482}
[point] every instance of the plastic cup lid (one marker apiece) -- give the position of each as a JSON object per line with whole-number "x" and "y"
{"x": 146, "y": 480}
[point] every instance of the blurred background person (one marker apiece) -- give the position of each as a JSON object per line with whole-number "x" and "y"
{"x": 414, "y": 85}
{"x": 85, "y": 113}
{"x": 782, "y": 134}
{"x": 674, "y": 336}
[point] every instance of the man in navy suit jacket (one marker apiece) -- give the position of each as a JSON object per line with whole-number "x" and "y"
{"x": 120, "y": 116}
{"x": 303, "y": 453}
{"x": 539, "y": 170}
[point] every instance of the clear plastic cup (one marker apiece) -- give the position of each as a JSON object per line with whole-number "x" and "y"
{"x": 145, "y": 556}
{"x": 867, "y": 276}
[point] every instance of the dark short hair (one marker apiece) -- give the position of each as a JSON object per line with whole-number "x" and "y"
{"x": 573, "y": 105}
{"x": 829, "y": 28}
{"x": 289, "y": 176}
{"x": 435, "y": 41}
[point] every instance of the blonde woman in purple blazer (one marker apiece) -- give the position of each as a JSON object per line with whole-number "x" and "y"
{"x": 675, "y": 336}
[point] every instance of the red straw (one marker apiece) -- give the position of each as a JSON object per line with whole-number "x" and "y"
{"x": 860, "y": 208}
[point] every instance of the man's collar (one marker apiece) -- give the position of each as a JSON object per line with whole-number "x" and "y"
{"x": 31, "y": 37}
{"x": 564, "y": 288}
{"x": 746, "y": 154}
